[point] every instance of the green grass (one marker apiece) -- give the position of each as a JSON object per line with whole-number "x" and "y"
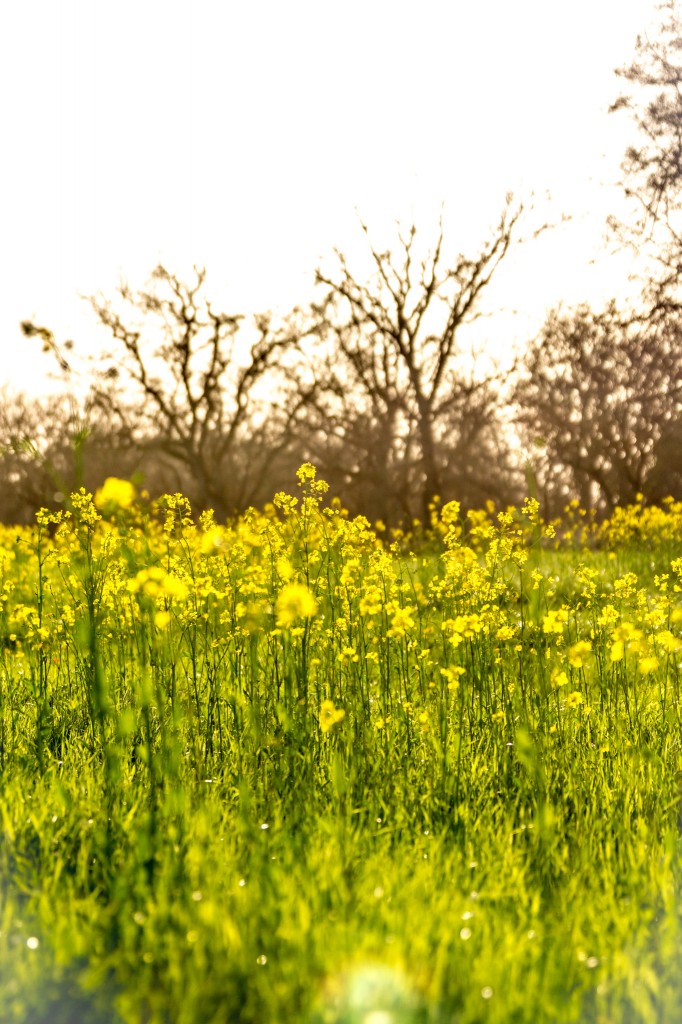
{"x": 183, "y": 842}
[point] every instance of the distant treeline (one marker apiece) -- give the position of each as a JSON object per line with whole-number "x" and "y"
{"x": 372, "y": 381}
{"x": 388, "y": 409}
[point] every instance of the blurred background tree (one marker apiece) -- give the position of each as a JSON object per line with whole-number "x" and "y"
{"x": 652, "y": 164}
{"x": 199, "y": 398}
{"x": 52, "y": 446}
{"x": 599, "y": 401}
{"x": 398, "y": 409}
{"x": 599, "y": 396}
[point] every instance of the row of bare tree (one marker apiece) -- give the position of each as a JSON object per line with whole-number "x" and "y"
{"x": 383, "y": 405}
{"x": 372, "y": 382}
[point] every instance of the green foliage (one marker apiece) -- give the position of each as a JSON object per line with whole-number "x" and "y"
{"x": 279, "y": 770}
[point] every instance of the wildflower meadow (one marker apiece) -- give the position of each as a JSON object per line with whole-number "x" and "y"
{"x": 297, "y": 767}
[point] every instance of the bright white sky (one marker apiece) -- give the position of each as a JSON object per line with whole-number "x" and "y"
{"x": 248, "y": 136}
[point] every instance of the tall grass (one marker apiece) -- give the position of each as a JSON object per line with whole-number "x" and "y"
{"x": 281, "y": 770}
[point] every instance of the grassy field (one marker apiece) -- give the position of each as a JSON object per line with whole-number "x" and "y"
{"x": 295, "y": 770}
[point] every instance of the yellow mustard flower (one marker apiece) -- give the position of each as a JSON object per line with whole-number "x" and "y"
{"x": 294, "y": 601}
{"x": 578, "y": 652}
{"x": 554, "y": 621}
{"x": 668, "y": 641}
{"x": 559, "y": 678}
{"x": 115, "y": 492}
{"x": 330, "y": 715}
{"x": 401, "y": 620}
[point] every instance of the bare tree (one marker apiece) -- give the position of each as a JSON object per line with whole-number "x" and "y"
{"x": 652, "y": 166}
{"x": 395, "y": 400}
{"x": 30, "y": 479}
{"x": 602, "y": 399}
{"x": 51, "y": 446}
{"x": 194, "y": 393}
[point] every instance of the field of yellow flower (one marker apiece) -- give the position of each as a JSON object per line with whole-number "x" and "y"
{"x": 294, "y": 769}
